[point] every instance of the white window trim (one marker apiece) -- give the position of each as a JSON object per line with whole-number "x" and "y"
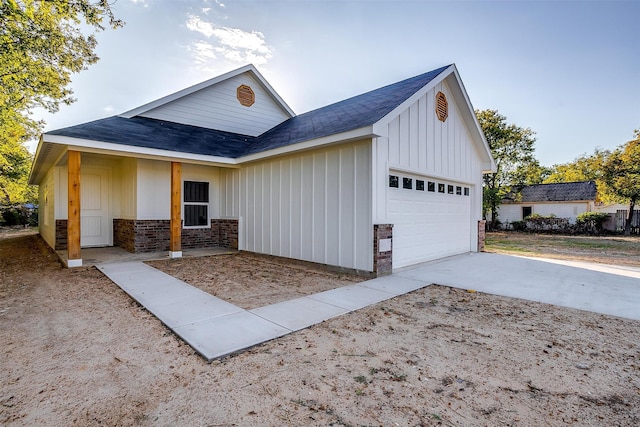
{"x": 207, "y": 204}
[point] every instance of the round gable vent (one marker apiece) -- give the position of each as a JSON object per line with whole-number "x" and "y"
{"x": 245, "y": 95}
{"x": 442, "y": 107}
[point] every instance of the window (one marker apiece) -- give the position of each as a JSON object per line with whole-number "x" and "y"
{"x": 526, "y": 211}
{"x": 459, "y": 191}
{"x": 419, "y": 185}
{"x": 431, "y": 186}
{"x": 440, "y": 188}
{"x": 196, "y": 204}
{"x": 466, "y": 191}
{"x": 393, "y": 181}
{"x": 407, "y": 183}
{"x": 450, "y": 189}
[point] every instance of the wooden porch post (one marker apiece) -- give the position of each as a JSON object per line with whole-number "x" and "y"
{"x": 175, "y": 244}
{"x": 74, "y": 259}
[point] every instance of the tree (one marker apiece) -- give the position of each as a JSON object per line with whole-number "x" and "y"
{"x": 512, "y": 148}
{"x": 585, "y": 168}
{"x": 41, "y": 45}
{"x": 622, "y": 175}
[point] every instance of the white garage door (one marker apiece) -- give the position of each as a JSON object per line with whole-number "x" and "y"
{"x": 429, "y": 224}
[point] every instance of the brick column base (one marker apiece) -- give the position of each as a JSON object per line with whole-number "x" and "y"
{"x": 481, "y": 234}
{"x": 61, "y": 234}
{"x": 382, "y": 249}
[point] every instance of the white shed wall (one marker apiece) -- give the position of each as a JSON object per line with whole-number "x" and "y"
{"x": 509, "y": 212}
{"x": 217, "y": 107}
{"x": 315, "y": 206}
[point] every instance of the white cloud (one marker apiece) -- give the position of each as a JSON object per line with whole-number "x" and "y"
{"x": 142, "y": 2}
{"x": 202, "y": 51}
{"x": 233, "y": 44}
{"x": 206, "y": 10}
{"x": 219, "y": 3}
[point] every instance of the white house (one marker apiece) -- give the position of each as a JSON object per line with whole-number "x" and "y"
{"x": 562, "y": 199}
{"x": 382, "y": 180}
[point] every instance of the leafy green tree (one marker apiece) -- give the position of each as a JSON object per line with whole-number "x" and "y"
{"x": 531, "y": 173}
{"x": 622, "y": 175}
{"x": 41, "y": 46}
{"x": 585, "y": 168}
{"x": 513, "y": 149}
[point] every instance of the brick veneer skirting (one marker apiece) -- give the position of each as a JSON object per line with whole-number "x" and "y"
{"x": 153, "y": 235}
{"x": 227, "y": 232}
{"x": 382, "y": 261}
{"x": 481, "y": 234}
{"x": 61, "y": 234}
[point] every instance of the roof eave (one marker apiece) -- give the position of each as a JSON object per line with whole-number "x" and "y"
{"x": 352, "y": 135}
{"x": 100, "y": 147}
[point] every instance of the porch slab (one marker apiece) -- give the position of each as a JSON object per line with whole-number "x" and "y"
{"x": 115, "y": 254}
{"x": 299, "y": 313}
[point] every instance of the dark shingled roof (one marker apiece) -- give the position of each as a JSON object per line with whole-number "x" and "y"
{"x": 151, "y": 133}
{"x": 350, "y": 114}
{"x": 556, "y": 192}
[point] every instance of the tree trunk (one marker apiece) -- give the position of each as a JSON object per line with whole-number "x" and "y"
{"x": 629, "y": 221}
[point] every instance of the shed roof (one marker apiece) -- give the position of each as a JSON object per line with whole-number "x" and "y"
{"x": 555, "y": 192}
{"x": 350, "y": 114}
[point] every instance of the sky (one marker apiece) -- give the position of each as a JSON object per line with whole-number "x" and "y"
{"x": 569, "y": 70}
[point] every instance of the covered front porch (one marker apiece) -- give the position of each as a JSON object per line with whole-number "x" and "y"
{"x": 104, "y": 205}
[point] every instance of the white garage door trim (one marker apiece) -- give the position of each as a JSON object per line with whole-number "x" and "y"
{"x": 428, "y": 225}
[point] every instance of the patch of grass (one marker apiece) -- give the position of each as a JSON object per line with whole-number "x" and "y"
{"x": 621, "y": 250}
{"x": 361, "y": 379}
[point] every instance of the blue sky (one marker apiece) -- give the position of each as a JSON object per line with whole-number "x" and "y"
{"x": 568, "y": 70}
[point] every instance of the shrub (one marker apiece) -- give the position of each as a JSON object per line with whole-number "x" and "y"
{"x": 591, "y": 222}
{"x": 519, "y": 225}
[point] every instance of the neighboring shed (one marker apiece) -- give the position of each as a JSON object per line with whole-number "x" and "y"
{"x": 564, "y": 200}
{"x": 382, "y": 180}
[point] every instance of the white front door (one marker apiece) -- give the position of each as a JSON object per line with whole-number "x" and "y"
{"x": 95, "y": 224}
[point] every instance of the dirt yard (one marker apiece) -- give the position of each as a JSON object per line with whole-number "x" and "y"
{"x": 78, "y": 351}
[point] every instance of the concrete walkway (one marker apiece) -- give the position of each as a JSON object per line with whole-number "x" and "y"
{"x": 216, "y": 328}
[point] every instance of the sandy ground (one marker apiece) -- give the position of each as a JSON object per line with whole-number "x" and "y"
{"x": 76, "y": 350}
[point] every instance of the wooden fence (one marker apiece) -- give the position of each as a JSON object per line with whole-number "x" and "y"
{"x": 621, "y": 218}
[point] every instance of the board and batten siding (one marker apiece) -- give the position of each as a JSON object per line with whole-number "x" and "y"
{"x": 315, "y": 206}
{"x": 217, "y": 107}
{"x": 229, "y": 193}
{"x": 46, "y": 213}
{"x": 415, "y": 141}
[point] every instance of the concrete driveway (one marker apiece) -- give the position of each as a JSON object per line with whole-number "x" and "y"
{"x": 599, "y": 288}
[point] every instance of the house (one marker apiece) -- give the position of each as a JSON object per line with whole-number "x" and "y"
{"x": 383, "y": 180}
{"x": 563, "y": 200}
